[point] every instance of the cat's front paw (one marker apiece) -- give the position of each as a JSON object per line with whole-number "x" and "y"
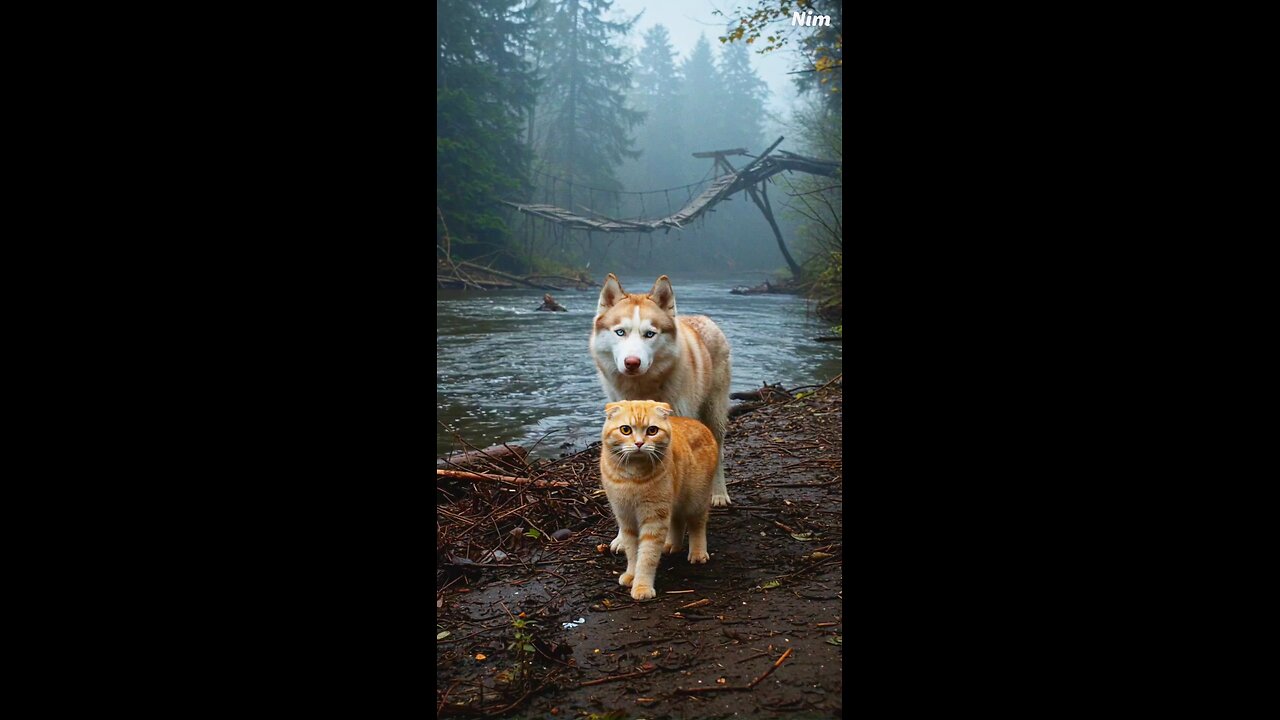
{"x": 616, "y": 546}
{"x": 720, "y": 499}
{"x": 642, "y": 592}
{"x": 625, "y": 579}
{"x": 698, "y": 558}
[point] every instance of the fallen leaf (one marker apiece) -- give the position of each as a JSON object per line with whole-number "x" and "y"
{"x": 481, "y": 656}
{"x": 442, "y": 635}
{"x": 837, "y": 640}
{"x": 771, "y": 585}
{"x": 802, "y": 536}
{"x": 816, "y": 555}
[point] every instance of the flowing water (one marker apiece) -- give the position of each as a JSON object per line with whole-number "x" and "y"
{"x": 506, "y": 372}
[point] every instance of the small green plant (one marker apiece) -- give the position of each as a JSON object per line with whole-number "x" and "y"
{"x": 523, "y": 642}
{"x": 533, "y": 534}
{"x": 837, "y": 330}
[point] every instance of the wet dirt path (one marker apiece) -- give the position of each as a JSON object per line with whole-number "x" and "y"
{"x": 756, "y": 632}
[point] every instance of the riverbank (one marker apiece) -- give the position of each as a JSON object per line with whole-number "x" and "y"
{"x": 531, "y": 621}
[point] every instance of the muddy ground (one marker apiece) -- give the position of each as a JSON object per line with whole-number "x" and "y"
{"x": 534, "y": 627}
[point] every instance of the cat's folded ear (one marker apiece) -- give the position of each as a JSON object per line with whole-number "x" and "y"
{"x": 611, "y": 409}
{"x": 663, "y": 409}
{"x": 663, "y": 295}
{"x": 610, "y": 294}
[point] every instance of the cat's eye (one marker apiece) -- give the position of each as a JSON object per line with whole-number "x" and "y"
{"x": 625, "y": 429}
{"x": 650, "y": 334}
{"x": 653, "y": 430}
{"x": 620, "y": 332}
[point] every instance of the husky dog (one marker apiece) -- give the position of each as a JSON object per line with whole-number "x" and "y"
{"x": 644, "y": 352}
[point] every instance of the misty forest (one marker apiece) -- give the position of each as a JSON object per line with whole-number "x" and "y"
{"x": 596, "y": 161}
{"x": 567, "y": 104}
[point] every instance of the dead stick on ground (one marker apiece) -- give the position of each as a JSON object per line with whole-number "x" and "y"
{"x": 780, "y": 660}
{"x": 643, "y": 671}
{"x": 757, "y": 681}
{"x": 467, "y": 475}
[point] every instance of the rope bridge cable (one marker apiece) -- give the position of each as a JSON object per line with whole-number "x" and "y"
{"x": 557, "y": 178}
{"x": 721, "y": 188}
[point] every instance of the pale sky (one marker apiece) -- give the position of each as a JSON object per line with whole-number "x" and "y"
{"x": 685, "y": 20}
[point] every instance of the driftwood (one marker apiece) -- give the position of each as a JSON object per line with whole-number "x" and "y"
{"x": 507, "y": 455}
{"x": 465, "y": 475}
{"x": 506, "y": 276}
{"x": 766, "y": 288}
{"x": 581, "y": 282}
{"x": 549, "y": 304}
{"x": 766, "y": 395}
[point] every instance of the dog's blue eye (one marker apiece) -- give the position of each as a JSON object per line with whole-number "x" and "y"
{"x": 620, "y": 332}
{"x": 650, "y": 334}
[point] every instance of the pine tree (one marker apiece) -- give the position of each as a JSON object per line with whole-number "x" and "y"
{"x": 584, "y": 104}
{"x": 657, "y": 94}
{"x": 745, "y": 95}
{"x": 483, "y": 90}
{"x": 702, "y": 92}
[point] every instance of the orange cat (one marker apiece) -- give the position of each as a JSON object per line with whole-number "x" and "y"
{"x": 657, "y": 470}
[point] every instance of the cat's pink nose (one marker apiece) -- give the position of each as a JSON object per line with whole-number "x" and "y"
{"x": 639, "y": 443}
{"x": 632, "y": 362}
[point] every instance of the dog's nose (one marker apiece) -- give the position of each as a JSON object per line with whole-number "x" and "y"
{"x": 632, "y": 362}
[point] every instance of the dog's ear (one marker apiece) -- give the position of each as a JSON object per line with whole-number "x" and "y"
{"x": 663, "y": 295}
{"x": 663, "y": 409}
{"x": 610, "y": 294}
{"x": 611, "y": 409}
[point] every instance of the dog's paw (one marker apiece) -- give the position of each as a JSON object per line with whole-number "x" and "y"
{"x": 616, "y": 546}
{"x": 625, "y": 579}
{"x": 642, "y": 592}
{"x": 698, "y": 558}
{"x": 671, "y": 547}
{"x": 720, "y": 500}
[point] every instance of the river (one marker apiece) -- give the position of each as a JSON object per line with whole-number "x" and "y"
{"x": 506, "y": 372}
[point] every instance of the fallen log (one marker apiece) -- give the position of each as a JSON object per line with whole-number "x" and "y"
{"x": 508, "y": 454}
{"x": 506, "y": 276}
{"x": 465, "y": 475}
{"x": 743, "y": 408}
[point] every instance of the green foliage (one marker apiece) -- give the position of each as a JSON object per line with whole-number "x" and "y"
{"x": 483, "y": 89}
{"x": 531, "y": 533}
{"x": 820, "y": 48}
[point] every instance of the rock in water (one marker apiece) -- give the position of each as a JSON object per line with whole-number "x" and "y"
{"x": 550, "y": 305}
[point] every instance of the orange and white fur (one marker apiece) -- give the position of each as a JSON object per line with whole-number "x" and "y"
{"x": 657, "y": 469}
{"x": 643, "y": 351}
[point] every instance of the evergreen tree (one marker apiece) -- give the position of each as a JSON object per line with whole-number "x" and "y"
{"x": 584, "y": 104}
{"x": 483, "y": 90}
{"x": 702, "y": 92}
{"x": 657, "y": 94}
{"x": 745, "y": 95}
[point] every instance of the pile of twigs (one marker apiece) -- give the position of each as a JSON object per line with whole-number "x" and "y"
{"x": 505, "y": 510}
